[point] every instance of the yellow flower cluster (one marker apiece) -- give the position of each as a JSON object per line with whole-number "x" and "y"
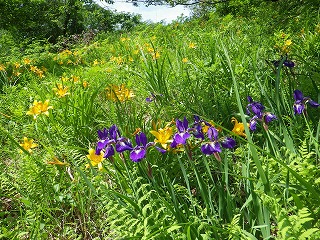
{"x": 38, "y": 108}
{"x": 123, "y": 39}
{"x": 68, "y": 57}
{"x": 26, "y": 61}
{"x": 155, "y": 55}
{"x": 153, "y": 51}
{"x": 16, "y": 69}
{"x": 37, "y": 71}
{"x": 72, "y": 78}
{"x": 119, "y": 60}
{"x": 119, "y": 93}
{"x": 283, "y": 42}
{"x": 185, "y": 60}
{"x": 286, "y": 46}
{"x": 61, "y": 90}
{"x": 2, "y": 67}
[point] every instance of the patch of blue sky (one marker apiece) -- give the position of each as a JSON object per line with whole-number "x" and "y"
{"x": 154, "y": 14}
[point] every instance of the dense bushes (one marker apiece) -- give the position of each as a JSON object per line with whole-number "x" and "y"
{"x": 47, "y": 20}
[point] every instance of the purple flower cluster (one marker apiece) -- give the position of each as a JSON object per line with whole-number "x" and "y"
{"x": 299, "y": 105}
{"x": 111, "y": 141}
{"x": 210, "y": 147}
{"x": 257, "y": 109}
{"x": 213, "y": 146}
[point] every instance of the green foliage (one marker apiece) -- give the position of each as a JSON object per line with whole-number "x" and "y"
{"x": 28, "y": 20}
{"x": 297, "y": 226}
{"x": 54, "y": 98}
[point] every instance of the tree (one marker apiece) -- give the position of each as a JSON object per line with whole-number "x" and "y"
{"x": 49, "y": 19}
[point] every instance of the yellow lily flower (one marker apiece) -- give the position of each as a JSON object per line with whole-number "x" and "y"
{"x": 28, "y": 144}
{"x": 38, "y": 107}
{"x": 45, "y": 107}
{"x": 95, "y": 159}
{"x": 192, "y": 45}
{"x": 119, "y": 93}
{"x": 206, "y": 127}
{"x": 238, "y": 127}
{"x": 75, "y": 78}
{"x": 163, "y": 136}
{"x": 185, "y": 60}
{"x": 35, "y": 109}
{"x": 61, "y": 91}
{"x": 33, "y": 68}
{"x": 85, "y": 84}
{"x": 95, "y": 62}
{"x": 155, "y": 55}
{"x": 17, "y": 65}
{"x": 26, "y": 61}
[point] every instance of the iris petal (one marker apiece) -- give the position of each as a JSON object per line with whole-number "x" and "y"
{"x": 212, "y": 133}
{"x": 185, "y": 124}
{"x": 103, "y": 134}
{"x": 124, "y": 145}
{"x": 161, "y": 150}
{"x": 298, "y": 107}
{"x": 180, "y": 138}
{"x": 109, "y": 151}
{"x": 269, "y": 117}
{"x": 101, "y": 145}
{"x": 179, "y": 125}
{"x": 210, "y": 148}
{"x": 228, "y": 142}
{"x": 298, "y": 95}
{"x": 313, "y": 103}
{"x": 143, "y": 139}
{"x": 137, "y": 154}
{"x": 253, "y": 123}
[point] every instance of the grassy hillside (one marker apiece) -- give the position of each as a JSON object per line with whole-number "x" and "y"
{"x": 205, "y": 129}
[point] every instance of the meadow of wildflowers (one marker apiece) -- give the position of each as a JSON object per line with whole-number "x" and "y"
{"x": 207, "y": 129}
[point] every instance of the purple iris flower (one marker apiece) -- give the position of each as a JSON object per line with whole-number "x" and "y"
{"x": 123, "y": 144}
{"x": 214, "y": 145}
{"x": 108, "y": 137}
{"x": 197, "y": 127}
{"x": 153, "y": 97}
{"x": 269, "y": 117}
{"x": 182, "y": 135}
{"x": 149, "y": 99}
{"x": 255, "y": 107}
{"x": 259, "y": 115}
{"x": 288, "y": 64}
{"x": 253, "y": 123}
{"x": 139, "y": 152}
{"x": 109, "y": 151}
{"x": 103, "y": 134}
{"x": 299, "y": 105}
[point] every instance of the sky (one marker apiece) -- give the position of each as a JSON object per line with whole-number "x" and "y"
{"x": 151, "y": 13}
